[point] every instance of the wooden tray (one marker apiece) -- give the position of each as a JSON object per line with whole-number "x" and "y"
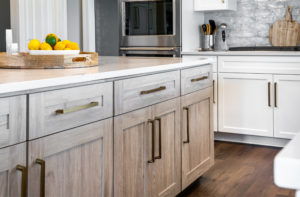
{"x": 26, "y": 61}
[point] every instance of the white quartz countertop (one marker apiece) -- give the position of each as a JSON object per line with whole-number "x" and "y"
{"x": 243, "y": 53}
{"x": 287, "y": 166}
{"x": 18, "y": 81}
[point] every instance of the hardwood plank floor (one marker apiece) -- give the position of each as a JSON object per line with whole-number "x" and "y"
{"x": 239, "y": 171}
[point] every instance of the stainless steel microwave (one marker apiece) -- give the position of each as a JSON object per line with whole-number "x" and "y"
{"x": 150, "y": 23}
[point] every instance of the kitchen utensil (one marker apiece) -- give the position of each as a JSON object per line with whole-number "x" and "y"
{"x": 209, "y": 42}
{"x": 285, "y": 32}
{"x": 213, "y": 26}
{"x": 204, "y": 29}
{"x": 207, "y": 29}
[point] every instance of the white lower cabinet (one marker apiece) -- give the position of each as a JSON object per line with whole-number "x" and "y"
{"x": 245, "y": 104}
{"x": 286, "y": 118}
{"x": 215, "y": 100}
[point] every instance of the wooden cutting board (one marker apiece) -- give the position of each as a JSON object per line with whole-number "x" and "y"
{"x": 285, "y": 32}
{"x": 27, "y": 61}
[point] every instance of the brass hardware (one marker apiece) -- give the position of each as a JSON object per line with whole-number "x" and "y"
{"x": 187, "y": 126}
{"x": 214, "y": 83}
{"x": 223, "y": 1}
{"x": 159, "y": 130}
{"x": 199, "y": 79}
{"x": 161, "y": 88}
{"x": 275, "y": 94}
{"x": 75, "y": 109}
{"x": 24, "y": 179}
{"x": 43, "y": 176}
{"x": 152, "y": 122}
{"x": 269, "y": 94}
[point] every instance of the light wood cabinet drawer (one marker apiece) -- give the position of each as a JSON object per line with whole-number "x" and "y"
{"x": 58, "y": 110}
{"x": 197, "y": 78}
{"x": 12, "y": 120}
{"x": 135, "y": 93}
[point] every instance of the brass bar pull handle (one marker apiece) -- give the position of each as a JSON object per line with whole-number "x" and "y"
{"x": 78, "y": 108}
{"x": 269, "y": 94}
{"x": 187, "y": 126}
{"x": 214, "y": 99}
{"x": 161, "y": 88}
{"x": 24, "y": 179}
{"x": 223, "y": 1}
{"x": 275, "y": 94}
{"x": 152, "y": 122}
{"x": 199, "y": 79}
{"x": 159, "y": 139}
{"x": 43, "y": 176}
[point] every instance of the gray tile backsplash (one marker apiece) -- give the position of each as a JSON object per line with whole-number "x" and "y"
{"x": 250, "y": 24}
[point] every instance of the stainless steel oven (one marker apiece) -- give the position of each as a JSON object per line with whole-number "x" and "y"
{"x": 150, "y": 27}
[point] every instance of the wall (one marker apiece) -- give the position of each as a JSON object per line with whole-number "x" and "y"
{"x": 250, "y": 24}
{"x": 107, "y": 27}
{"x": 191, "y": 22}
{"x": 4, "y": 22}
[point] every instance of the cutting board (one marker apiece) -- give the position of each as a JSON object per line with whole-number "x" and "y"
{"x": 27, "y": 61}
{"x": 285, "y": 32}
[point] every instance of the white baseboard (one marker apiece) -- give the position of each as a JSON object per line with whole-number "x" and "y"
{"x": 249, "y": 139}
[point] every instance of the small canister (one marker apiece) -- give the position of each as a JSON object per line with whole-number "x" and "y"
{"x": 209, "y": 42}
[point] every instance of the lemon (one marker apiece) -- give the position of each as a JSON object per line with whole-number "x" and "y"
{"x": 68, "y": 49}
{"x": 60, "y": 46}
{"x": 73, "y": 46}
{"x": 66, "y": 42}
{"x": 45, "y": 46}
{"x": 34, "y": 44}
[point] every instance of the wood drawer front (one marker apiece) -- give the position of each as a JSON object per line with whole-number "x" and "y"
{"x": 135, "y": 93}
{"x": 258, "y": 64}
{"x": 12, "y": 120}
{"x": 194, "y": 79}
{"x": 82, "y": 105}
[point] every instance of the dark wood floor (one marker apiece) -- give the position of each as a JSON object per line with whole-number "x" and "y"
{"x": 239, "y": 171}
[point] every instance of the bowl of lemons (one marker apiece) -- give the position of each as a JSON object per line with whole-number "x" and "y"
{"x": 52, "y": 45}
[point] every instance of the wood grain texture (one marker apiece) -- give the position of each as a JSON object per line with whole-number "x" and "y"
{"x": 165, "y": 173}
{"x": 78, "y": 162}
{"x": 131, "y": 153}
{"x": 42, "y": 107}
{"x": 198, "y": 154}
{"x": 285, "y": 32}
{"x": 128, "y": 95}
{"x": 187, "y": 75}
{"x": 10, "y": 178}
{"x": 239, "y": 170}
{"x": 26, "y": 61}
{"x": 12, "y": 120}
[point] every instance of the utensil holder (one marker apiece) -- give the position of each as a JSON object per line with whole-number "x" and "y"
{"x": 209, "y": 42}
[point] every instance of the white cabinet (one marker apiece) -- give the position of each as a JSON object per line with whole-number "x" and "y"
{"x": 245, "y": 104}
{"x": 208, "y": 5}
{"x": 215, "y": 100}
{"x": 286, "y": 117}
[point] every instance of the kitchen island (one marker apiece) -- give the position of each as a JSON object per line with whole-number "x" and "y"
{"x": 129, "y": 127}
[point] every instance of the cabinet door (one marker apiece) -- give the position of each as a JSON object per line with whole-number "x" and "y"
{"x": 287, "y": 95}
{"x": 203, "y": 5}
{"x": 197, "y": 135}
{"x": 76, "y": 162}
{"x": 165, "y": 172}
{"x": 132, "y": 151}
{"x": 245, "y": 104}
{"x": 11, "y": 183}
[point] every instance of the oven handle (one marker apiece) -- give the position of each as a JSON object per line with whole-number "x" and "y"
{"x": 149, "y": 49}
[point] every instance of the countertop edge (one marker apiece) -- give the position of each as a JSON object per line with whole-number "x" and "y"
{"x": 27, "y": 87}
{"x": 242, "y": 53}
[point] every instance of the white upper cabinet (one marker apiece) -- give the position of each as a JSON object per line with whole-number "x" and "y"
{"x": 208, "y": 5}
